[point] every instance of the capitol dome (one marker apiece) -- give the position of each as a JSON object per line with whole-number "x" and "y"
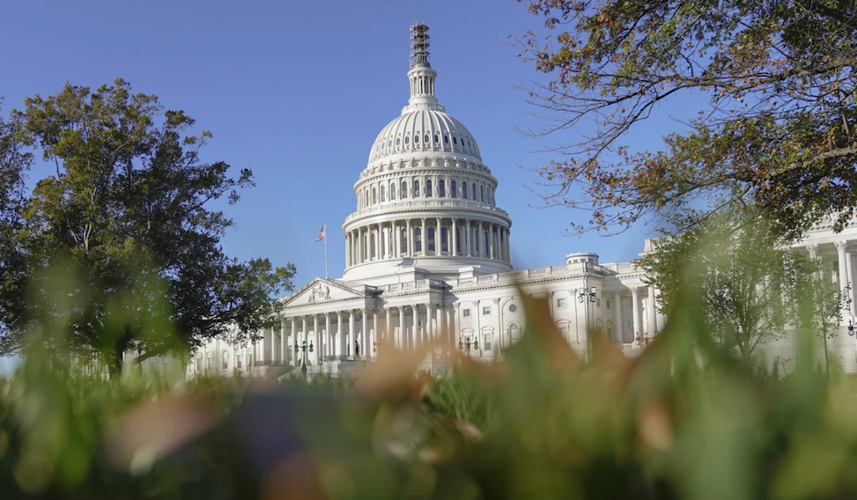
{"x": 425, "y": 201}
{"x": 424, "y": 130}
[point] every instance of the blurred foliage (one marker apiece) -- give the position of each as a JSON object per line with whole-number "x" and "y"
{"x": 685, "y": 419}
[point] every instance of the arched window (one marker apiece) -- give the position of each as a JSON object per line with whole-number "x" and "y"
{"x": 239, "y": 361}
{"x": 224, "y": 360}
{"x": 416, "y": 139}
{"x": 365, "y": 198}
{"x": 441, "y": 188}
{"x": 436, "y": 139}
{"x": 514, "y": 333}
{"x": 392, "y": 192}
{"x": 407, "y": 140}
{"x": 452, "y": 189}
{"x": 383, "y": 192}
{"x": 404, "y": 237}
{"x": 404, "y": 190}
{"x": 416, "y": 189}
{"x": 209, "y": 362}
{"x": 428, "y": 188}
{"x": 374, "y": 195}
{"x": 474, "y": 191}
{"x": 426, "y": 138}
{"x": 431, "y": 239}
{"x": 418, "y": 240}
{"x": 444, "y": 240}
{"x": 481, "y": 194}
{"x": 454, "y": 140}
{"x": 446, "y": 139}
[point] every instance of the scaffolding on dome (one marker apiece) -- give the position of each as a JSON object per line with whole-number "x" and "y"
{"x": 420, "y": 45}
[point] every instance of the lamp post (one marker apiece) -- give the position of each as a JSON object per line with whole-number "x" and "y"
{"x": 303, "y": 347}
{"x": 464, "y": 346}
{"x": 583, "y": 298}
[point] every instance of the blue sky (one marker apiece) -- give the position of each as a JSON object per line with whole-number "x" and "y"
{"x": 297, "y": 91}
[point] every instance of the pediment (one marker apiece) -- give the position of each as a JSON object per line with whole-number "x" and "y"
{"x": 321, "y": 290}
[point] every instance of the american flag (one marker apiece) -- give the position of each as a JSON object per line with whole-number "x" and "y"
{"x": 322, "y": 234}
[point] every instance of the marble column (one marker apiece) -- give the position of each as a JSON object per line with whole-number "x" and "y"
{"x": 400, "y": 336}
{"x": 455, "y": 335}
{"x": 284, "y": 359}
{"x": 339, "y": 336}
{"x": 428, "y": 331}
{"x": 397, "y": 241}
{"x": 439, "y": 331}
{"x": 373, "y": 338}
{"x": 328, "y": 341}
{"x": 453, "y": 239}
{"x": 361, "y": 338}
{"x": 490, "y": 252}
{"x": 294, "y": 333}
{"x": 651, "y": 321}
{"x": 317, "y": 348}
{"x": 467, "y": 240}
{"x": 347, "y": 251}
{"x": 415, "y": 332}
{"x": 410, "y": 239}
{"x": 387, "y": 326}
{"x": 617, "y": 317}
{"x": 635, "y": 312}
{"x": 424, "y": 239}
{"x": 350, "y": 339}
{"x": 438, "y": 241}
{"x": 843, "y": 270}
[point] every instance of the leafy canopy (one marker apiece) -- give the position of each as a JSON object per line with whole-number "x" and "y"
{"x": 745, "y": 285}
{"x": 121, "y": 240}
{"x": 777, "y": 128}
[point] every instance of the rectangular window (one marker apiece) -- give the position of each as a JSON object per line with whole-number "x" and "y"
{"x": 238, "y": 362}
{"x": 465, "y": 313}
{"x": 486, "y": 311}
{"x": 609, "y": 303}
{"x": 561, "y": 303}
{"x": 486, "y": 341}
{"x": 598, "y": 302}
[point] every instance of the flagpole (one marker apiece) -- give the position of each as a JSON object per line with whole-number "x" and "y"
{"x": 325, "y": 251}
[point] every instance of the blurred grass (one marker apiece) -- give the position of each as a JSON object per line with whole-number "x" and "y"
{"x": 684, "y": 420}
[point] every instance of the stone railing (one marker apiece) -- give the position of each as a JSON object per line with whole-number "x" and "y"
{"x": 427, "y": 205}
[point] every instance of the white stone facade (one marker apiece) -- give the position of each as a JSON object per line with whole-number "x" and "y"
{"x": 428, "y": 257}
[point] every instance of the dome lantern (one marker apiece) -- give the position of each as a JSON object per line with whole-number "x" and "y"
{"x": 421, "y": 75}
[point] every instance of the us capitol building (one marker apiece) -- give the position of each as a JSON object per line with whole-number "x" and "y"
{"x": 427, "y": 258}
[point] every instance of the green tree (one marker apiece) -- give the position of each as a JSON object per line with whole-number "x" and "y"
{"x": 121, "y": 241}
{"x": 777, "y": 126}
{"x": 745, "y": 285}
{"x": 14, "y": 161}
